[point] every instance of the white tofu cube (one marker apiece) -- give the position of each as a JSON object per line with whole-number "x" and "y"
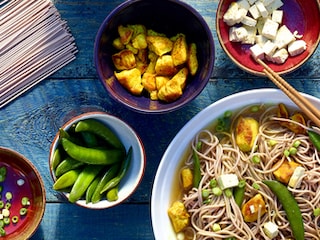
{"x": 237, "y": 34}
{"x": 296, "y": 178}
{"x": 242, "y": 12}
{"x": 269, "y": 48}
{"x": 230, "y": 16}
{"x": 261, "y": 40}
{"x": 262, "y": 9}
{"x": 257, "y": 52}
{"x": 251, "y": 2}
{"x": 270, "y": 29}
{"x": 243, "y": 4}
{"x": 271, "y": 229}
{"x": 297, "y": 47}
{"x": 253, "y": 10}
{"x": 266, "y": 2}
{"x": 251, "y": 35}
{"x": 277, "y": 16}
{"x": 284, "y": 37}
{"x": 260, "y": 23}
{"x": 276, "y": 4}
{"x": 228, "y": 181}
{"x": 249, "y": 21}
{"x": 280, "y": 56}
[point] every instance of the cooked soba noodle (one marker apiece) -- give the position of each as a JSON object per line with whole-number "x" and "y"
{"x": 219, "y": 154}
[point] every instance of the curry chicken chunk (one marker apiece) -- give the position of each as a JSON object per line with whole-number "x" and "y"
{"x": 179, "y": 216}
{"x": 164, "y": 63}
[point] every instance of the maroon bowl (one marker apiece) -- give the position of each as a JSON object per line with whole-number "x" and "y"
{"x": 164, "y": 16}
{"x": 300, "y": 15}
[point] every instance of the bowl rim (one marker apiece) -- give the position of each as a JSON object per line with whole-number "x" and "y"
{"x": 185, "y": 136}
{"x": 42, "y": 207}
{"x": 142, "y": 160}
{"x": 255, "y": 72}
{"x": 170, "y": 107}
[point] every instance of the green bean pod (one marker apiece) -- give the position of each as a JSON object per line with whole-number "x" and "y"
{"x": 290, "y": 206}
{"x": 66, "y": 180}
{"x": 196, "y": 167}
{"x": 101, "y": 130}
{"x": 107, "y": 176}
{"x": 86, "y": 176}
{"x": 91, "y": 188}
{"x": 67, "y": 165}
{"x": 92, "y": 155}
{"x": 315, "y": 139}
{"x": 112, "y": 194}
{"x": 123, "y": 169}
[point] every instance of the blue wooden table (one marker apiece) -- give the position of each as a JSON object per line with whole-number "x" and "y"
{"x": 29, "y": 123}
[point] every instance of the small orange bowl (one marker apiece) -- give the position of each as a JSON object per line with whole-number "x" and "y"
{"x": 22, "y": 179}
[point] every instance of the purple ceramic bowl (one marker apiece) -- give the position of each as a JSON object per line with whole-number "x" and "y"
{"x": 164, "y": 16}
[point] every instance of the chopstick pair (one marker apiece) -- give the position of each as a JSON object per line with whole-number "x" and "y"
{"x": 304, "y": 104}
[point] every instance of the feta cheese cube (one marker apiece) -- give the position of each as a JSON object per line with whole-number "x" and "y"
{"x": 251, "y": 35}
{"x": 257, "y": 52}
{"x": 270, "y": 229}
{"x": 269, "y": 48}
{"x": 277, "y": 16}
{"x": 276, "y": 4}
{"x": 228, "y": 181}
{"x": 284, "y": 37}
{"x": 261, "y": 40}
{"x": 243, "y": 4}
{"x": 297, "y": 47}
{"x": 230, "y": 16}
{"x": 237, "y": 34}
{"x": 262, "y": 9}
{"x": 270, "y": 29}
{"x": 296, "y": 178}
{"x": 253, "y": 10}
{"x": 249, "y": 21}
{"x": 280, "y": 56}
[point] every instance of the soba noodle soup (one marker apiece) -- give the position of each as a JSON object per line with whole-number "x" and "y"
{"x": 218, "y": 216}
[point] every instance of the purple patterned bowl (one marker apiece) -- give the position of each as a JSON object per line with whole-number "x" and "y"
{"x": 164, "y": 16}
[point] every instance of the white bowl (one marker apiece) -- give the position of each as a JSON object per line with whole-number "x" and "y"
{"x": 165, "y": 177}
{"x": 129, "y": 138}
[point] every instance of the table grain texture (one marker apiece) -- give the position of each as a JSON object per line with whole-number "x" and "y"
{"x": 29, "y": 123}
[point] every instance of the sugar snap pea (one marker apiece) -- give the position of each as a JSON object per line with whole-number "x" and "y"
{"x": 238, "y": 195}
{"x": 67, "y": 165}
{"x": 89, "y": 139}
{"x": 86, "y": 176}
{"x": 56, "y": 158}
{"x": 196, "y": 167}
{"x": 100, "y": 129}
{"x": 290, "y": 206}
{"x": 315, "y": 139}
{"x": 107, "y": 176}
{"x": 112, "y": 194}
{"x": 92, "y": 155}
{"x": 123, "y": 169}
{"x": 66, "y": 180}
{"x": 92, "y": 188}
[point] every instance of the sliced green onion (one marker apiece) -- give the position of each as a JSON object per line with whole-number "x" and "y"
{"x": 2, "y": 232}
{"x": 23, "y": 211}
{"x": 5, "y": 212}
{"x": 216, "y": 227}
{"x": 256, "y": 186}
{"x": 25, "y": 201}
{"x": 227, "y": 114}
{"x": 213, "y": 183}
{"x": 216, "y": 191}
{"x": 219, "y": 128}
{"x": 1, "y": 204}
{"x": 8, "y": 196}
{"x": 15, "y": 219}
{"x": 316, "y": 212}
{"x": 242, "y": 183}
{"x": 293, "y": 151}
{"x": 1, "y": 223}
{"x": 6, "y": 220}
{"x": 3, "y": 173}
{"x": 8, "y": 205}
{"x": 296, "y": 143}
{"x": 228, "y": 192}
{"x": 254, "y": 108}
{"x": 256, "y": 159}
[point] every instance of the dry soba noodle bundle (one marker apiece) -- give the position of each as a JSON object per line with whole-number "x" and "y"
{"x": 34, "y": 43}
{"x": 215, "y": 216}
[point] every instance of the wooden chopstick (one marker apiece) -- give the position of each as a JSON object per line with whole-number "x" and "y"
{"x": 304, "y": 104}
